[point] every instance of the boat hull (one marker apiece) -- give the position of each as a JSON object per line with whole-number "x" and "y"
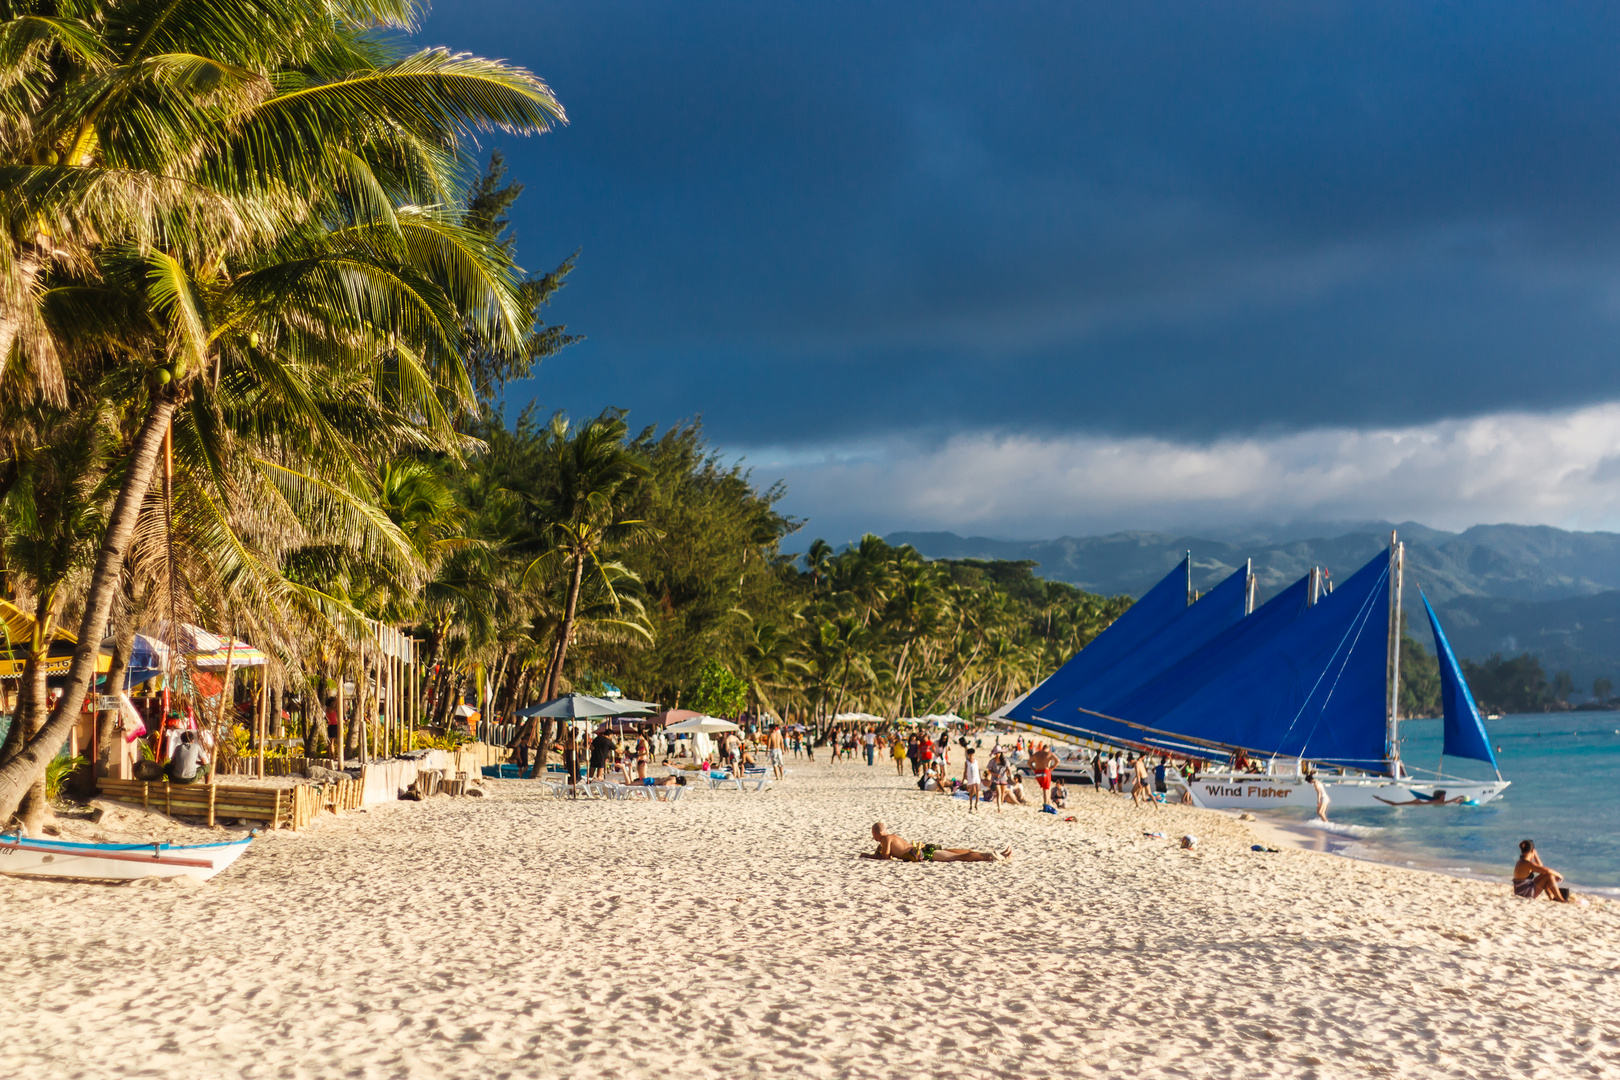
{"x": 28, "y": 857}
{"x": 1244, "y": 791}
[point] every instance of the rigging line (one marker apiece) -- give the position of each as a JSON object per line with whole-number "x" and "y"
{"x": 1211, "y": 744}
{"x": 1361, "y": 619}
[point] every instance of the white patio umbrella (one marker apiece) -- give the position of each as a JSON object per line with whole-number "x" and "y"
{"x": 705, "y": 724}
{"x": 464, "y": 710}
{"x": 857, "y": 717}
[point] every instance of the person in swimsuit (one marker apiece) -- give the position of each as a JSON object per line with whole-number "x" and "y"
{"x": 1139, "y": 785}
{"x": 1533, "y": 878}
{"x": 1419, "y": 799}
{"x": 894, "y": 846}
{"x": 1041, "y": 763}
{"x": 775, "y": 744}
{"x": 1322, "y": 799}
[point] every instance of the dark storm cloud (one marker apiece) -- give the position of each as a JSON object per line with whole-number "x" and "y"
{"x": 814, "y": 221}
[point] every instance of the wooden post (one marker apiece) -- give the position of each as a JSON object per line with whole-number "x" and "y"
{"x": 146, "y": 792}
{"x": 213, "y": 790}
{"x": 259, "y": 724}
{"x": 342, "y": 717}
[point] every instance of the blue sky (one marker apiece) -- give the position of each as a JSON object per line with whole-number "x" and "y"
{"x": 1026, "y": 268}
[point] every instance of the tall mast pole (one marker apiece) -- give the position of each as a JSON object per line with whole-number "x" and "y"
{"x": 1392, "y": 706}
{"x": 1189, "y": 579}
{"x": 1249, "y": 583}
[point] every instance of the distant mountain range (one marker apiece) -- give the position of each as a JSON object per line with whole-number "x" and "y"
{"x": 1497, "y": 588}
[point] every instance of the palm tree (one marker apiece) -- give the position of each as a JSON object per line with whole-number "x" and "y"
{"x": 593, "y": 475}
{"x": 291, "y": 132}
{"x": 767, "y": 660}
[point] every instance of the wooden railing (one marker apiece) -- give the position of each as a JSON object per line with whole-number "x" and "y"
{"x": 278, "y": 808}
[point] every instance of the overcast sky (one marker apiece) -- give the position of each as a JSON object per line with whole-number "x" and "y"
{"x": 1025, "y": 269}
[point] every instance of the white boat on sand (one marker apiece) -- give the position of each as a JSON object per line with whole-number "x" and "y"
{"x": 25, "y": 856}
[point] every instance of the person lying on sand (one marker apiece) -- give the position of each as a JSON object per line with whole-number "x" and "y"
{"x": 1533, "y": 878}
{"x": 1419, "y": 799}
{"x": 894, "y": 846}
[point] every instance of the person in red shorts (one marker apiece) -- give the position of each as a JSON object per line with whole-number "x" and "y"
{"x": 1042, "y": 762}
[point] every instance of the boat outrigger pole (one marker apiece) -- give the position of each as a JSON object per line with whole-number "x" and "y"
{"x": 1392, "y": 706}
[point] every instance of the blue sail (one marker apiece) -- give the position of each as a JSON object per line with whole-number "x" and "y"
{"x": 1315, "y": 690}
{"x": 1465, "y": 731}
{"x": 1191, "y": 629}
{"x": 1141, "y": 620}
{"x": 1140, "y": 714}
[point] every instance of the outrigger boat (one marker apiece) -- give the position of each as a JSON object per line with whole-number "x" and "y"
{"x": 1307, "y": 683}
{"x": 25, "y": 856}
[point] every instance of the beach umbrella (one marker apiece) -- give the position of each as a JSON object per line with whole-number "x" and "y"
{"x": 700, "y": 723}
{"x": 857, "y": 717}
{"x": 671, "y": 716}
{"x": 627, "y": 707}
{"x": 573, "y": 707}
{"x": 464, "y": 710}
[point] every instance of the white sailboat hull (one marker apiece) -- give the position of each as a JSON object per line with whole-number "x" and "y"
{"x": 1247, "y": 791}
{"x": 27, "y": 857}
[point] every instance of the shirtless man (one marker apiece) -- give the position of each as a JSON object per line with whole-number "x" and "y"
{"x": 1041, "y": 763}
{"x": 894, "y": 846}
{"x": 1139, "y": 785}
{"x": 775, "y": 745}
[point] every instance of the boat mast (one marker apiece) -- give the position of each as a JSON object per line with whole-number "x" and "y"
{"x": 1189, "y": 579}
{"x": 1392, "y": 705}
{"x": 1248, "y": 592}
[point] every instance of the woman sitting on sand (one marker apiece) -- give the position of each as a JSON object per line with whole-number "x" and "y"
{"x": 1533, "y": 878}
{"x": 894, "y": 846}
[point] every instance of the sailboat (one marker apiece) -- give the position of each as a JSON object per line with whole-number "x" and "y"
{"x": 1306, "y": 683}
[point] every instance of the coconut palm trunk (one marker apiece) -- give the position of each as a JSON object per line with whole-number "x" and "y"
{"x": 20, "y": 774}
{"x": 567, "y": 627}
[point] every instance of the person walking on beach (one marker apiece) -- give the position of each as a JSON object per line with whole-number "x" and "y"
{"x": 601, "y": 749}
{"x": 1097, "y": 771}
{"x": 897, "y": 750}
{"x": 1322, "y": 799}
{"x": 1533, "y": 878}
{"x": 998, "y": 779}
{"x": 894, "y": 846}
{"x": 773, "y": 743}
{"x": 1139, "y": 785}
{"x": 1041, "y": 762}
{"x": 643, "y": 756}
{"x": 870, "y": 739}
{"x": 1113, "y": 774}
{"x": 970, "y": 780}
{"x": 913, "y": 753}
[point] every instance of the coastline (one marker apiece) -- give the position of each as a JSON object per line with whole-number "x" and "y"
{"x": 733, "y": 934}
{"x": 1367, "y": 844}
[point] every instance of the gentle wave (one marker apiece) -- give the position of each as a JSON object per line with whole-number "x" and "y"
{"x": 1339, "y": 827}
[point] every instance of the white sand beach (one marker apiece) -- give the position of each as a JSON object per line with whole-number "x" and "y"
{"x": 735, "y": 934}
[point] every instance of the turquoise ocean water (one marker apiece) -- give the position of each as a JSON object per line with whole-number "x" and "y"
{"x": 1565, "y": 769}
